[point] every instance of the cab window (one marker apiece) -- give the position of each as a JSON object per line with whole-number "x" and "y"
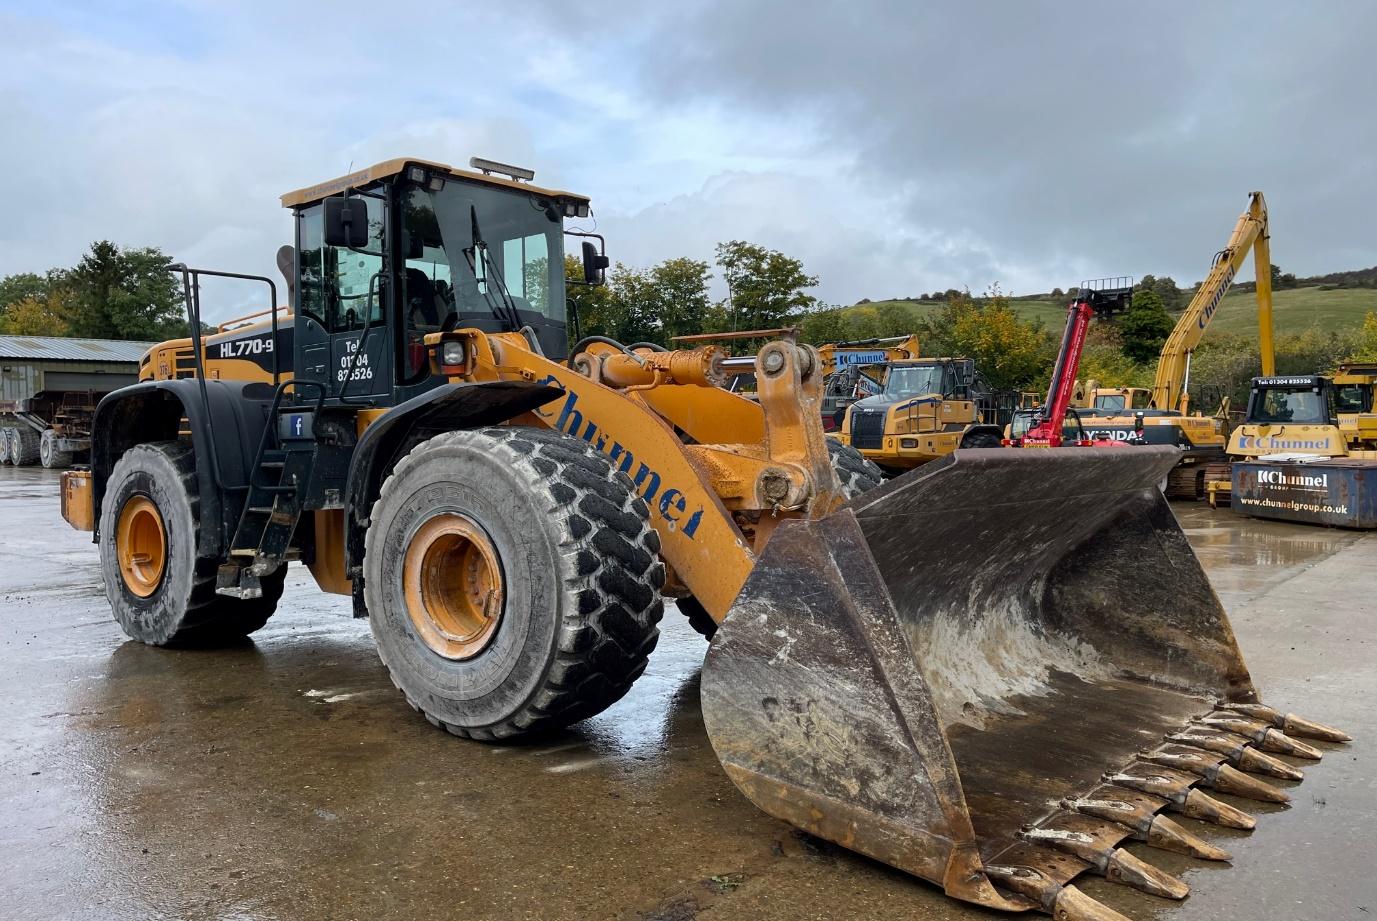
{"x": 341, "y": 288}
{"x": 1352, "y": 398}
{"x": 526, "y": 270}
{"x": 1291, "y": 406}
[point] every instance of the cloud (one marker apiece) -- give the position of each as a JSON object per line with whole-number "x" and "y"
{"x": 895, "y": 147}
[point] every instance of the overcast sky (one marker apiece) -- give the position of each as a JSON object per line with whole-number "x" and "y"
{"x": 896, "y": 147}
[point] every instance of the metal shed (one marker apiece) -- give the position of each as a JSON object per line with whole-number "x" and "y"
{"x": 30, "y": 365}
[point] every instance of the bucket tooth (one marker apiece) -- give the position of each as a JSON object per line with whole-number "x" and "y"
{"x": 1129, "y": 870}
{"x": 1230, "y": 780}
{"x": 1065, "y": 903}
{"x": 1236, "y": 750}
{"x": 1202, "y": 806}
{"x": 1214, "y": 773}
{"x": 1289, "y": 722}
{"x": 1113, "y": 863}
{"x": 1126, "y": 807}
{"x": 1176, "y": 789}
{"x": 1274, "y": 740}
{"x": 1262, "y": 735}
{"x": 1168, "y": 836}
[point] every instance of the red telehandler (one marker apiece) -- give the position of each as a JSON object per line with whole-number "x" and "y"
{"x": 1048, "y": 425}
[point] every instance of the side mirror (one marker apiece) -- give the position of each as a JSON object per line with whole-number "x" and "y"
{"x": 594, "y": 264}
{"x": 346, "y": 222}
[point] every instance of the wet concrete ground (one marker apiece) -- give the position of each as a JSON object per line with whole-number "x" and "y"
{"x": 286, "y": 779}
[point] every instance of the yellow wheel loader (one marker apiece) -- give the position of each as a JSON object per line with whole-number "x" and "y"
{"x": 979, "y": 693}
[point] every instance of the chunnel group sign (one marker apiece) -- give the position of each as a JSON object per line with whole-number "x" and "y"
{"x": 1335, "y": 492}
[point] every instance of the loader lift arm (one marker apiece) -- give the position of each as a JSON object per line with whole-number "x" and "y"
{"x": 1250, "y": 235}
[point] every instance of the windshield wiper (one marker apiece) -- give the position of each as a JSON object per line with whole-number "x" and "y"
{"x": 505, "y": 310}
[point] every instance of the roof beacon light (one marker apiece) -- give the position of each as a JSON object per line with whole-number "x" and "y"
{"x": 492, "y": 166}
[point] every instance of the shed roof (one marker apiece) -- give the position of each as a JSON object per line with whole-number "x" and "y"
{"x": 58, "y": 348}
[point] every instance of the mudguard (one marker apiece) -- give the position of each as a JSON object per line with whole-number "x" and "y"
{"x": 444, "y": 409}
{"x": 229, "y": 422}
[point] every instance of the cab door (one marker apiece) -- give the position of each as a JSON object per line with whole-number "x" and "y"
{"x": 343, "y": 339}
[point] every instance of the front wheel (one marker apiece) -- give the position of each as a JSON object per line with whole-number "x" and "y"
{"x": 512, "y": 580}
{"x": 160, "y": 591}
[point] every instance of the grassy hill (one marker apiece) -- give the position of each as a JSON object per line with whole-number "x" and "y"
{"x": 1295, "y": 310}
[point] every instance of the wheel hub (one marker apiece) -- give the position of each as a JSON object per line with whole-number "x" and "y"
{"x": 453, "y": 586}
{"x": 141, "y": 545}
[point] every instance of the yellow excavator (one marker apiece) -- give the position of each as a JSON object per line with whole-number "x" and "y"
{"x": 1167, "y": 418}
{"x": 994, "y": 699}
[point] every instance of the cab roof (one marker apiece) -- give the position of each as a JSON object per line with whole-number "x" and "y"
{"x": 388, "y": 168}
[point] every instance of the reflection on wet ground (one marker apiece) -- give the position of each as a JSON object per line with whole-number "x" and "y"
{"x": 286, "y": 779}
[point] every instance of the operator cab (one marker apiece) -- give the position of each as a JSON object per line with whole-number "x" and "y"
{"x": 408, "y": 247}
{"x": 1305, "y": 400}
{"x": 1119, "y": 399}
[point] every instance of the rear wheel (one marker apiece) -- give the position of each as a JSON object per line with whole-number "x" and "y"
{"x": 4, "y": 446}
{"x": 23, "y": 446}
{"x": 512, "y": 580}
{"x": 855, "y": 474}
{"x": 49, "y": 454}
{"x": 160, "y": 591}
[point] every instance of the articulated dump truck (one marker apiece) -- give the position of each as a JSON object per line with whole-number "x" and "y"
{"x": 970, "y": 672}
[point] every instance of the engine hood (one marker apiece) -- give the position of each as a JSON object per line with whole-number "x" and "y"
{"x": 884, "y": 401}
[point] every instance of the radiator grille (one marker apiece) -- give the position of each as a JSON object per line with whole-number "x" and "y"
{"x": 867, "y": 429}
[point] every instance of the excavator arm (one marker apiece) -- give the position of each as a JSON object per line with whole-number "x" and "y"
{"x": 1169, "y": 390}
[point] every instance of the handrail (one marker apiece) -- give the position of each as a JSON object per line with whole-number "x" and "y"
{"x": 224, "y": 327}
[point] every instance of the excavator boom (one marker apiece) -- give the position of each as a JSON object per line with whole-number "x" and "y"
{"x": 1250, "y": 235}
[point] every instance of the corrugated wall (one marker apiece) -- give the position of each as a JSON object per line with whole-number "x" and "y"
{"x": 21, "y": 379}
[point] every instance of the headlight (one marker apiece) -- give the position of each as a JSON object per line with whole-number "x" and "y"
{"x": 452, "y": 353}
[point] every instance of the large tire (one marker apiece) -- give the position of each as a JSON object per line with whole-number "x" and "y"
{"x": 49, "y": 454}
{"x": 23, "y": 446}
{"x": 4, "y": 446}
{"x": 568, "y": 545}
{"x": 856, "y": 475}
{"x": 982, "y": 438}
{"x": 175, "y": 603}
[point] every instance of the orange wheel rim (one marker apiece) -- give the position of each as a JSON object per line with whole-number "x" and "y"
{"x": 141, "y": 545}
{"x": 452, "y": 582}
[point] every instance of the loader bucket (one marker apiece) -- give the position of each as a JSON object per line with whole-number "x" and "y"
{"x": 972, "y": 673}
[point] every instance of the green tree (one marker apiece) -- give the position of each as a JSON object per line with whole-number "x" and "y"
{"x": 22, "y": 286}
{"x": 764, "y": 286}
{"x": 679, "y": 288}
{"x": 1366, "y": 347}
{"x": 1012, "y": 354}
{"x": 824, "y": 326}
{"x": 126, "y": 294}
{"x": 1145, "y": 326}
{"x": 37, "y": 315}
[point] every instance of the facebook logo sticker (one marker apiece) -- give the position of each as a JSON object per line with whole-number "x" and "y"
{"x": 294, "y": 425}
